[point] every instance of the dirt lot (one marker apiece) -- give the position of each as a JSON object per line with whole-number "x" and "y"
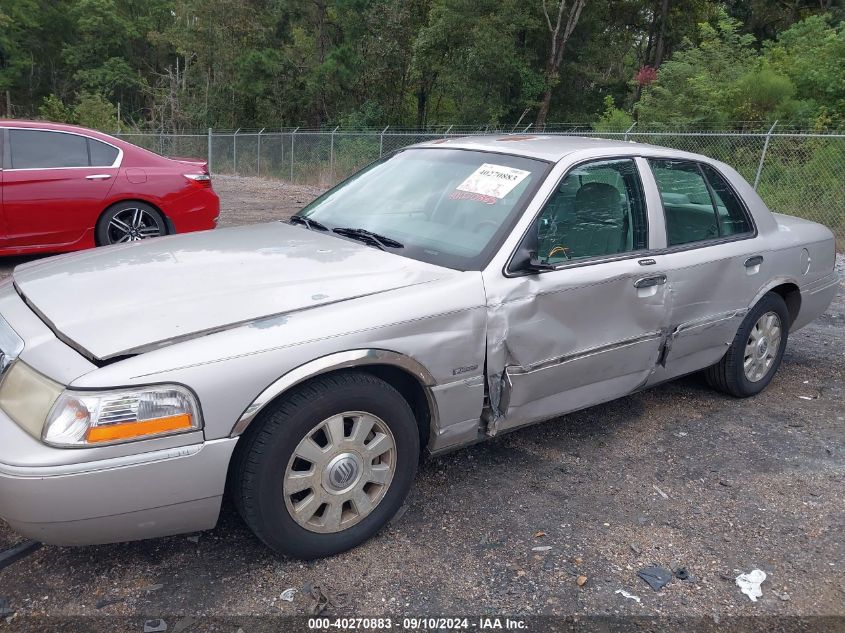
{"x": 677, "y": 476}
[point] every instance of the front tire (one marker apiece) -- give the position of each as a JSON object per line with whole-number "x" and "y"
{"x": 129, "y": 222}
{"x": 756, "y": 351}
{"x": 325, "y": 468}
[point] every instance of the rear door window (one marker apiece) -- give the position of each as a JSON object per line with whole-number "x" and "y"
{"x": 34, "y": 149}
{"x": 698, "y": 202}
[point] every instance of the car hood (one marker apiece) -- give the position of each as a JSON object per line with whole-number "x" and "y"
{"x": 128, "y": 299}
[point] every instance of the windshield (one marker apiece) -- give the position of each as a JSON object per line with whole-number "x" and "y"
{"x": 447, "y": 207}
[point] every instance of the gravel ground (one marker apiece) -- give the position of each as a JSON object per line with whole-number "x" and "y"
{"x": 677, "y": 476}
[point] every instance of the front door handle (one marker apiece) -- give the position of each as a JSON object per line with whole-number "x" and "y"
{"x": 98, "y": 177}
{"x": 756, "y": 260}
{"x": 647, "y": 282}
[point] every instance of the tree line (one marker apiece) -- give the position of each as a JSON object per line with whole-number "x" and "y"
{"x": 175, "y": 65}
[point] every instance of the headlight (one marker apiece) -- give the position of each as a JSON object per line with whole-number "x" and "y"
{"x": 27, "y": 397}
{"x": 85, "y": 418}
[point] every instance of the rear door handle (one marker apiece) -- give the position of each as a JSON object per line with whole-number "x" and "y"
{"x": 756, "y": 260}
{"x": 98, "y": 177}
{"x": 646, "y": 282}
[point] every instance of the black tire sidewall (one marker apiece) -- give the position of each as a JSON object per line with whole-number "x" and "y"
{"x": 770, "y": 302}
{"x": 278, "y": 529}
{"x": 102, "y": 229}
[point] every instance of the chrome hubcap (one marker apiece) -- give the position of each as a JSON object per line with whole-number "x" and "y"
{"x": 762, "y": 347}
{"x": 132, "y": 225}
{"x": 339, "y": 472}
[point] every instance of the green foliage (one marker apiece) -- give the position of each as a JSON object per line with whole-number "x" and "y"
{"x": 700, "y": 85}
{"x": 612, "y": 119}
{"x": 95, "y": 111}
{"x": 181, "y": 64}
{"x": 53, "y": 109}
{"x": 812, "y": 54}
{"x": 91, "y": 110}
{"x": 797, "y": 80}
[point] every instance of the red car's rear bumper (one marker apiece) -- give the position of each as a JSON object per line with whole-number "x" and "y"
{"x": 197, "y": 210}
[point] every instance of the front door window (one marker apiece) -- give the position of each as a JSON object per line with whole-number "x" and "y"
{"x": 597, "y": 210}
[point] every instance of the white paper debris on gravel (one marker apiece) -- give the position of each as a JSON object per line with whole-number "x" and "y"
{"x": 625, "y": 594}
{"x": 750, "y": 583}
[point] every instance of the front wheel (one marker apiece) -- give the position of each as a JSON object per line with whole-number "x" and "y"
{"x": 328, "y": 466}
{"x": 129, "y": 222}
{"x": 756, "y": 351}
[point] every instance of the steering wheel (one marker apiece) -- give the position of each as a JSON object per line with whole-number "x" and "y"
{"x": 483, "y": 223}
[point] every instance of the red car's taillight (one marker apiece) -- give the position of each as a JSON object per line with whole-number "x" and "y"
{"x": 201, "y": 180}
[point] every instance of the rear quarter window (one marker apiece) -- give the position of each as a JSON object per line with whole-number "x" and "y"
{"x": 731, "y": 214}
{"x": 102, "y": 155}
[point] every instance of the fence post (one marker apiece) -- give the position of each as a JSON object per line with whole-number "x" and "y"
{"x": 258, "y": 154}
{"x": 291, "y": 152}
{"x": 161, "y": 142}
{"x": 331, "y": 156}
{"x": 763, "y": 155}
{"x": 209, "y": 150}
{"x": 235, "y": 151}
{"x": 628, "y": 131}
{"x": 381, "y": 141}
{"x": 446, "y": 133}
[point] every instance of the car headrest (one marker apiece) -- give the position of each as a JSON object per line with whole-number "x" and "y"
{"x": 598, "y": 201}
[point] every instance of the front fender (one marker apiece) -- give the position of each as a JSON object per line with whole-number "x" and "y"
{"x": 333, "y": 362}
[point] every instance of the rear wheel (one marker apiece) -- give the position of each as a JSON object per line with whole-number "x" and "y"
{"x": 756, "y": 351}
{"x": 129, "y": 222}
{"x": 328, "y": 466}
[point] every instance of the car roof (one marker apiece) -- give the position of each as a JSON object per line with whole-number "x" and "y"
{"x": 44, "y": 125}
{"x": 550, "y": 147}
{"x": 59, "y": 127}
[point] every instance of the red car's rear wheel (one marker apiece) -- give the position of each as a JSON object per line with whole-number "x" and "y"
{"x": 129, "y": 222}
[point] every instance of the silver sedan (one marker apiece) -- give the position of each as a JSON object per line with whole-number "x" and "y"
{"x": 448, "y": 293}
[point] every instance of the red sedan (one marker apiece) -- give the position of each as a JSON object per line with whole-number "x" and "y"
{"x": 64, "y": 188}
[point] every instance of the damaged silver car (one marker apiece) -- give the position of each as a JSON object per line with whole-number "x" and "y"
{"x": 450, "y": 292}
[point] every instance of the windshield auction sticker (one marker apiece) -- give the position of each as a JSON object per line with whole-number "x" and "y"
{"x": 489, "y": 183}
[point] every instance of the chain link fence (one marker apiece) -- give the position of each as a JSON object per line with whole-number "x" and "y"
{"x": 795, "y": 173}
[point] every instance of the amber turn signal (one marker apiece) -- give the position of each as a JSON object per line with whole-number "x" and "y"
{"x": 129, "y": 430}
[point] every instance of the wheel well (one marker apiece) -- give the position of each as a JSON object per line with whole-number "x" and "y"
{"x": 155, "y": 207}
{"x": 791, "y": 296}
{"x": 405, "y": 383}
{"x": 410, "y": 389}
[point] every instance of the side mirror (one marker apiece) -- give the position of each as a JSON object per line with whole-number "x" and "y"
{"x": 535, "y": 264}
{"x": 526, "y": 258}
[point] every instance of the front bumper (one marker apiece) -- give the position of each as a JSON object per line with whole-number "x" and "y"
{"x": 130, "y": 491}
{"x": 136, "y": 496}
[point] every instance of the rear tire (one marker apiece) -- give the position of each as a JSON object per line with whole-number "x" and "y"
{"x": 129, "y": 221}
{"x": 305, "y": 476}
{"x": 756, "y": 351}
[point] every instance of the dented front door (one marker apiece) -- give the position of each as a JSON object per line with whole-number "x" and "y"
{"x": 566, "y": 339}
{"x": 591, "y": 329}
